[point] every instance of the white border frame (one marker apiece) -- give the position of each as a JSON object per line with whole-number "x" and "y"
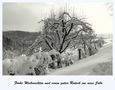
{"x": 7, "y": 82}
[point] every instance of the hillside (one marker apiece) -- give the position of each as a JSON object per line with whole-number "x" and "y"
{"x": 16, "y": 42}
{"x": 21, "y": 35}
{"x": 98, "y": 64}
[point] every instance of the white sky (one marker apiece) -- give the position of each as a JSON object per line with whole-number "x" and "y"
{"x": 24, "y": 16}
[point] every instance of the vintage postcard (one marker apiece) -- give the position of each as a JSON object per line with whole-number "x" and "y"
{"x": 57, "y": 43}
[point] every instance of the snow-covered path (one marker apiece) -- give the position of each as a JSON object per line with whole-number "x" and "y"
{"x": 86, "y": 65}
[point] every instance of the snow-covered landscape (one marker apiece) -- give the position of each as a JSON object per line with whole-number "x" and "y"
{"x": 70, "y": 39}
{"x": 98, "y": 64}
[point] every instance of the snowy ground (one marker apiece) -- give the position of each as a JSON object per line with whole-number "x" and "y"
{"x": 98, "y": 64}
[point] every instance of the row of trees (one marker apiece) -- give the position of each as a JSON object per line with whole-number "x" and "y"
{"x": 64, "y": 31}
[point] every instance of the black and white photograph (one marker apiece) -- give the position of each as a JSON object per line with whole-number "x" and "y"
{"x": 45, "y": 39}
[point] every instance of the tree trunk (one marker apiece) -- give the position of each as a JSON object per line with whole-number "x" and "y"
{"x": 79, "y": 53}
{"x": 85, "y": 49}
{"x": 90, "y": 51}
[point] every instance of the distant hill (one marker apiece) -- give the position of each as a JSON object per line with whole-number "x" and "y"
{"x": 21, "y": 35}
{"x": 17, "y": 40}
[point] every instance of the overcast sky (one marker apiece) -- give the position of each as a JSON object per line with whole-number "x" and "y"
{"x": 24, "y": 16}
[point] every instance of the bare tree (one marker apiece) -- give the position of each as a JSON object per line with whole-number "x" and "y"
{"x": 84, "y": 43}
{"x": 58, "y": 32}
